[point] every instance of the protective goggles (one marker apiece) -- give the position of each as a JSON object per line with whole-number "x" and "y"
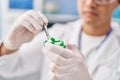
{"x": 101, "y": 2}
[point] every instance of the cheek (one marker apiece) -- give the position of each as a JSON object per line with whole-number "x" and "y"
{"x": 80, "y": 7}
{"x": 102, "y": 12}
{"x": 105, "y": 13}
{"x": 108, "y": 10}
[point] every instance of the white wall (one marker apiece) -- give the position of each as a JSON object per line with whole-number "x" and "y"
{"x": 8, "y": 16}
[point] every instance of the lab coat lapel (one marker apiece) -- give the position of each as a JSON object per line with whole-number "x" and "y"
{"x": 74, "y": 34}
{"x": 110, "y": 45}
{"x": 104, "y": 52}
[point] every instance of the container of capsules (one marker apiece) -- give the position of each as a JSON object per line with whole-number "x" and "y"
{"x": 54, "y": 41}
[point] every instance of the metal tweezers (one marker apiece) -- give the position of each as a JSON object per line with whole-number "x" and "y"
{"x": 46, "y": 31}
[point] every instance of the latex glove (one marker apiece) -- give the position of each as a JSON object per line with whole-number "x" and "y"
{"x": 24, "y": 29}
{"x": 67, "y": 64}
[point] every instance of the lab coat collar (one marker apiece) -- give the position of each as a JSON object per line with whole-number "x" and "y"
{"x": 114, "y": 36}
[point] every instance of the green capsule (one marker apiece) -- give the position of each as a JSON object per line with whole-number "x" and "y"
{"x": 64, "y": 46}
{"x": 52, "y": 39}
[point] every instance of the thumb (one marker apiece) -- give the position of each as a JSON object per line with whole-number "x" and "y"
{"x": 74, "y": 49}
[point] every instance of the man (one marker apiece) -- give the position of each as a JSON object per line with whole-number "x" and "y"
{"x": 97, "y": 57}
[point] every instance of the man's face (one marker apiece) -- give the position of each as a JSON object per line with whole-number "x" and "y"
{"x": 95, "y": 14}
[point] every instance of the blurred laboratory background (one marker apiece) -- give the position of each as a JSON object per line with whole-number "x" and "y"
{"x": 57, "y": 11}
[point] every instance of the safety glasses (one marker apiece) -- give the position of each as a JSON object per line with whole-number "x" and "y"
{"x": 101, "y": 2}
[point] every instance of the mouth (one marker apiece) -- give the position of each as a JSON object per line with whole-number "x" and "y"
{"x": 90, "y": 13}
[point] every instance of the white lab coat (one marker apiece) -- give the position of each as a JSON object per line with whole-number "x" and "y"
{"x": 29, "y": 63}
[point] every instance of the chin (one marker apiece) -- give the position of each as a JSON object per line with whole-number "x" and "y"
{"x": 90, "y": 21}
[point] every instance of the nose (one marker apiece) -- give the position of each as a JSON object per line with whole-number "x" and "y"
{"x": 91, "y": 3}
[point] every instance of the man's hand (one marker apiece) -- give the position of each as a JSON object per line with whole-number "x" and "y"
{"x": 67, "y": 64}
{"x": 25, "y": 29}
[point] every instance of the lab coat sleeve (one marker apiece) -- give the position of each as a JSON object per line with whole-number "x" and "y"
{"x": 7, "y": 63}
{"x": 26, "y": 60}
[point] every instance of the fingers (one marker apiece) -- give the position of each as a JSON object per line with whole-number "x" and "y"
{"x": 59, "y": 77}
{"x": 62, "y": 70}
{"x": 33, "y": 21}
{"x": 39, "y": 17}
{"x": 50, "y": 54}
{"x": 28, "y": 26}
{"x": 32, "y": 25}
{"x": 72, "y": 51}
{"x": 63, "y": 56}
{"x": 73, "y": 70}
{"x": 65, "y": 53}
{"x": 45, "y": 20}
{"x": 66, "y": 64}
{"x": 62, "y": 61}
{"x": 54, "y": 57}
